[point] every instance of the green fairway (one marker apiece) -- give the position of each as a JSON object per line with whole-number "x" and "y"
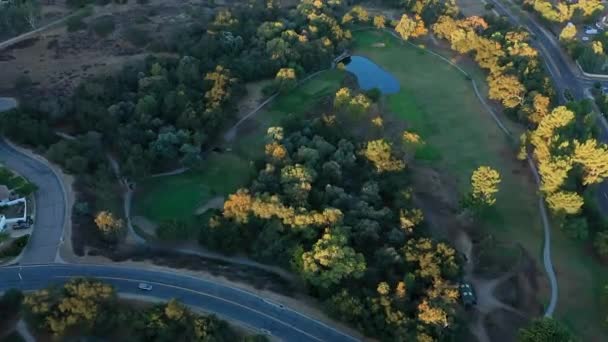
{"x": 179, "y": 196}
{"x": 250, "y": 142}
{"x": 439, "y": 103}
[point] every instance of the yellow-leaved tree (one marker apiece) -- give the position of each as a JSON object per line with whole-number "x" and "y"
{"x": 506, "y": 88}
{"x": 568, "y": 33}
{"x": 107, "y": 223}
{"x": 238, "y": 206}
{"x": 379, "y": 21}
{"x": 594, "y": 160}
{"x": 405, "y": 27}
{"x": 484, "y": 185}
{"x": 379, "y": 153}
{"x": 565, "y": 201}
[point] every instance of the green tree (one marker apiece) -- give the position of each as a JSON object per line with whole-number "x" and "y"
{"x": 545, "y": 330}
{"x": 331, "y": 260}
{"x": 601, "y": 243}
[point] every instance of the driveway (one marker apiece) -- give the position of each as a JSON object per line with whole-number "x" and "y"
{"x": 227, "y": 302}
{"x": 50, "y": 205}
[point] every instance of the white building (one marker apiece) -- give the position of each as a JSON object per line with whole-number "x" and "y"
{"x": 5, "y": 202}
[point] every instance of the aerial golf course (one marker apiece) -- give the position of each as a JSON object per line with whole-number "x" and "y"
{"x": 439, "y": 103}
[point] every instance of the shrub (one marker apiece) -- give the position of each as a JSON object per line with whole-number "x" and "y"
{"x": 104, "y": 26}
{"x": 76, "y": 24}
{"x": 15, "y": 248}
{"x": 137, "y": 37}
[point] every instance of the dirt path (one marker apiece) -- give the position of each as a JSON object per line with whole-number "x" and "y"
{"x": 485, "y": 289}
{"x": 24, "y": 36}
{"x": 24, "y": 331}
{"x": 127, "y": 199}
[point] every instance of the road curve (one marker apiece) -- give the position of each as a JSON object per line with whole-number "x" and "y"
{"x": 225, "y": 301}
{"x": 50, "y": 204}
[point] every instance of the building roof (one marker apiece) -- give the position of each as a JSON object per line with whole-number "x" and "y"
{"x": 4, "y": 192}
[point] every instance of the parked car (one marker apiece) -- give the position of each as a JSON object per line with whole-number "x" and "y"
{"x": 145, "y": 287}
{"x": 467, "y": 294}
{"x": 591, "y": 31}
{"x": 21, "y": 225}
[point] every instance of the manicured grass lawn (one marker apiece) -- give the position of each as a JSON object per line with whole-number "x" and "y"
{"x": 178, "y": 197}
{"x": 439, "y": 103}
{"x": 297, "y": 102}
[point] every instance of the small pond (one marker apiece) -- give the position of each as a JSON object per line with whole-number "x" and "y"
{"x": 7, "y": 103}
{"x": 370, "y": 75}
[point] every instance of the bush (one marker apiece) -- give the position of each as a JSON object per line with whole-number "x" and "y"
{"x": 79, "y": 3}
{"x": 10, "y": 304}
{"x": 23, "y": 82}
{"x": 137, "y": 37}
{"x": 15, "y": 248}
{"x": 374, "y": 94}
{"x": 104, "y": 26}
{"x": 76, "y": 24}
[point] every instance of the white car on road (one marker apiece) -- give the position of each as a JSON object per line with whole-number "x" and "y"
{"x": 145, "y": 287}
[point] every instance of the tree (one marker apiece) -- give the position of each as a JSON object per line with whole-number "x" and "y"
{"x": 597, "y": 47}
{"x": 565, "y": 201}
{"x": 405, "y": 27}
{"x": 108, "y": 224}
{"x": 576, "y": 228}
{"x": 286, "y": 79}
{"x": 238, "y": 206}
{"x": 220, "y": 91}
{"x": 331, "y": 260}
{"x": 79, "y": 304}
{"x": 379, "y": 153}
{"x": 568, "y": 33}
{"x": 506, "y": 88}
{"x": 594, "y": 160}
{"x": 379, "y": 21}
{"x": 600, "y": 242}
{"x": 545, "y": 330}
{"x": 484, "y": 184}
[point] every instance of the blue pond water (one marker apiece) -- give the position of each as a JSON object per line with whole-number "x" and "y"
{"x": 371, "y": 75}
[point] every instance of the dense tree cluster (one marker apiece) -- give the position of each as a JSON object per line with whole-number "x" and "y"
{"x": 561, "y": 139}
{"x": 516, "y": 75}
{"x": 18, "y": 16}
{"x": 338, "y": 211}
{"x": 85, "y": 307}
{"x": 545, "y": 330}
{"x": 165, "y": 110}
{"x": 564, "y": 10}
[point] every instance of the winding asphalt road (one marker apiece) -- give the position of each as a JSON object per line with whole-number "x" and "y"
{"x": 50, "y": 204}
{"x": 37, "y": 269}
{"x": 224, "y": 301}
